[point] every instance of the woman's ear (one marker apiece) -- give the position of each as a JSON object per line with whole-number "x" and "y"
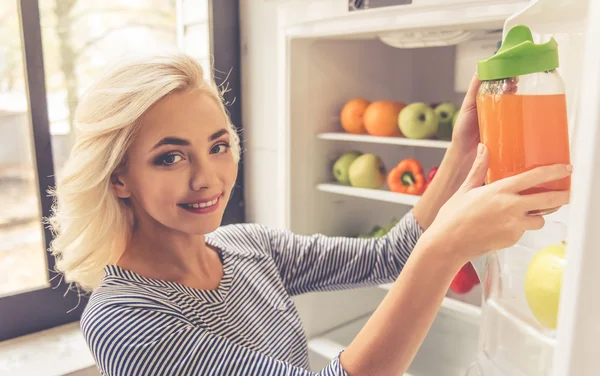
{"x": 119, "y": 186}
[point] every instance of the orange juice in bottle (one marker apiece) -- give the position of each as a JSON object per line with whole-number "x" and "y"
{"x": 522, "y": 110}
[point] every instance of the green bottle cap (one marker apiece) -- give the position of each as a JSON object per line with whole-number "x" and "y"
{"x": 518, "y": 55}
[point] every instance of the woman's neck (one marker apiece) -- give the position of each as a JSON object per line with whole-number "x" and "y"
{"x": 168, "y": 255}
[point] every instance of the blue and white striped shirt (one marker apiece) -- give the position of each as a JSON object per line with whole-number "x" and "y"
{"x": 248, "y": 325}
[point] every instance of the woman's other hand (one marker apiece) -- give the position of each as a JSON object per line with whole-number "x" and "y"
{"x": 478, "y": 219}
{"x": 465, "y": 135}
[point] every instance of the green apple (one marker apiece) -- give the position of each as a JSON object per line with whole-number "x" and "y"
{"x": 445, "y": 112}
{"x": 543, "y": 282}
{"x": 367, "y": 171}
{"x": 342, "y": 165}
{"x": 418, "y": 121}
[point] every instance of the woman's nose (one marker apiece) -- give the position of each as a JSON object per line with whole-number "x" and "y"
{"x": 203, "y": 176}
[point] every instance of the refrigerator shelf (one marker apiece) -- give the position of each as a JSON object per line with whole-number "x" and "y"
{"x": 451, "y": 341}
{"x": 372, "y": 194}
{"x": 341, "y": 136}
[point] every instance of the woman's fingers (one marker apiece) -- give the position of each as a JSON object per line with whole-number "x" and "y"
{"x": 545, "y": 200}
{"x": 534, "y": 222}
{"x": 535, "y": 177}
{"x": 479, "y": 169}
{"x": 469, "y": 100}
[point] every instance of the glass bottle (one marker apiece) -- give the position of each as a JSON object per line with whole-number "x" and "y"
{"x": 522, "y": 110}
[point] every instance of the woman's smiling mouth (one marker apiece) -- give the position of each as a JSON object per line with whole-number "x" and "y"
{"x": 203, "y": 206}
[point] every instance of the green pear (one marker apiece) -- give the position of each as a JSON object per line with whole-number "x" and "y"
{"x": 342, "y": 165}
{"x": 418, "y": 121}
{"x": 391, "y": 225}
{"x": 445, "y": 113}
{"x": 374, "y": 230}
{"x": 367, "y": 171}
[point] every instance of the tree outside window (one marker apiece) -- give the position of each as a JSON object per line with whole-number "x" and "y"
{"x": 79, "y": 38}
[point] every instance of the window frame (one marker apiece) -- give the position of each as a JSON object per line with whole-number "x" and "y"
{"x": 36, "y": 310}
{"x": 225, "y": 49}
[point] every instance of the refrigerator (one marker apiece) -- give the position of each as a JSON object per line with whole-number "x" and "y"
{"x": 331, "y": 51}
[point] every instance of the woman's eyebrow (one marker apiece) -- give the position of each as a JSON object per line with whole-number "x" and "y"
{"x": 171, "y": 141}
{"x": 217, "y": 134}
{"x": 183, "y": 142}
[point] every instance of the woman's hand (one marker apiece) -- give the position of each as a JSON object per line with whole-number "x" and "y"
{"x": 465, "y": 135}
{"x": 478, "y": 219}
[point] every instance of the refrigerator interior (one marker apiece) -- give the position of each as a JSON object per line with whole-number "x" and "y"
{"x": 324, "y": 74}
{"x": 326, "y": 62}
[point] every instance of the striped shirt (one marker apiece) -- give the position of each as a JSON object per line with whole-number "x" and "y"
{"x": 249, "y": 325}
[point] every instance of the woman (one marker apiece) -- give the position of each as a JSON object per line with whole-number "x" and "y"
{"x": 137, "y": 221}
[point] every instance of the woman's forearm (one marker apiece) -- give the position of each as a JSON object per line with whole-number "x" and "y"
{"x": 452, "y": 172}
{"x": 390, "y": 339}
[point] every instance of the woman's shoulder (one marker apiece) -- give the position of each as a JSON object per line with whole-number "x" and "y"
{"x": 124, "y": 296}
{"x": 243, "y": 239}
{"x": 120, "y": 312}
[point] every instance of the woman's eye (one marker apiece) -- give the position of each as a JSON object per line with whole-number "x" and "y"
{"x": 168, "y": 159}
{"x": 220, "y": 148}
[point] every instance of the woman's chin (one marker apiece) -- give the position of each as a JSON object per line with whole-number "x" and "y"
{"x": 200, "y": 227}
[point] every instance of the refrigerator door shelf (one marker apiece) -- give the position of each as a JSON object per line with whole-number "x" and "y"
{"x": 512, "y": 341}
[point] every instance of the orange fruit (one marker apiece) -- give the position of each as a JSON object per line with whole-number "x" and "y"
{"x": 352, "y": 114}
{"x": 381, "y": 118}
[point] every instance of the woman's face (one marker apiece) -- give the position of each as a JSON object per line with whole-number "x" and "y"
{"x": 180, "y": 169}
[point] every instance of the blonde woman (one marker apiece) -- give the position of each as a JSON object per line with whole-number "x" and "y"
{"x": 137, "y": 222}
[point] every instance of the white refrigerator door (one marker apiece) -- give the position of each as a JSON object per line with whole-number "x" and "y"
{"x": 574, "y": 24}
{"x": 579, "y": 323}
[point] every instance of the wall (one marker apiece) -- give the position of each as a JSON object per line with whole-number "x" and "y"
{"x": 258, "y": 22}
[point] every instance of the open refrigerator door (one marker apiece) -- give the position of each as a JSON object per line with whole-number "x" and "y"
{"x": 537, "y": 312}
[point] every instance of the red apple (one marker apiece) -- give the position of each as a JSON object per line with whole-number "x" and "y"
{"x": 430, "y": 176}
{"x": 465, "y": 279}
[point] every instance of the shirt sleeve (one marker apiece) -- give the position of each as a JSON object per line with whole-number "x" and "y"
{"x": 318, "y": 263}
{"x": 132, "y": 341}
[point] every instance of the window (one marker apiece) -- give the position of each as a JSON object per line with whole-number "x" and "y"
{"x": 195, "y": 30}
{"x": 50, "y": 51}
{"x": 80, "y": 38}
{"x": 22, "y": 250}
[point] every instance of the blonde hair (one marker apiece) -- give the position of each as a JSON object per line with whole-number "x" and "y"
{"x": 91, "y": 225}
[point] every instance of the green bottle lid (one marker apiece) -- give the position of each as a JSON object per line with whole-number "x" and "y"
{"x": 518, "y": 55}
